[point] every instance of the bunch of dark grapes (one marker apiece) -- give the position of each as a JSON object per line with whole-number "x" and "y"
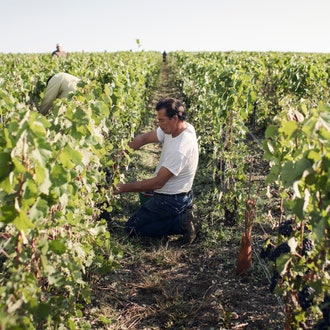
{"x": 305, "y": 298}
{"x": 273, "y": 281}
{"x": 307, "y": 246}
{"x": 286, "y": 228}
{"x": 265, "y": 253}
{"x": 279, "y": 250}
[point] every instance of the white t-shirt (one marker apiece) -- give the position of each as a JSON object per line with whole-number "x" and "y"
{"x": 180, "y": 156}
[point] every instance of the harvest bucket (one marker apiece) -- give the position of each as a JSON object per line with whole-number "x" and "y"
{"x": 144, "y": 196}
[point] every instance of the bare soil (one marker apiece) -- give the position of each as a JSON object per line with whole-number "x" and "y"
{"x": 162, "y": 284}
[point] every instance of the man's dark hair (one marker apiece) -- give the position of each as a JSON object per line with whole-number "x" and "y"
{"x": 173, "y": 107}
{"x": 49, "y": 78}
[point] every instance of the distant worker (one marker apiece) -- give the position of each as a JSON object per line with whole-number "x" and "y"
{"x": 164, "y": 56}
{"x": 59, "y": 52}
{"x": 58, "y": 86}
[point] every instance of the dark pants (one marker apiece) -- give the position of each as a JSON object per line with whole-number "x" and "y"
{"x": 161, "y": 215}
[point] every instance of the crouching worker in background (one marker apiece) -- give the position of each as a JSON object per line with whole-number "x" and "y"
{"x": 169, "y": 210}
{"x": 58, "y": 86}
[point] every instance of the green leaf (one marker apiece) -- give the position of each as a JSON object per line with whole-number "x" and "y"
{"x": 8, "y": 213}
{"x": 298, "y": 208}
{"x": 43, "y": 245}
{"x": 269, "y": 149}
{"x": 71, "y": 325}
{"x": 19, "y": 167}
{"x": 42, "y": 178}
{"x": 288, "y": 174}
{"x": 70, "y": 157}
{"x": 309, "y": 126}
{"x": 22, "y": 222}
{"x": 40, "y": 173}
{"x": 105, "y": 320}
{"x": 41, "y": 311}
{"x": 36, "y": 126}
{"x": 323, "y": 121}
{"x": 271, "y": 131}
{"x": 41, "y": 155}
{"x": 6, "y": 164}
{"x": 7, "y": 185}
{"x": 324, "y": 134}
{"x": 319, "y": 229}
{"x": 302, "y": 165}
{"x": 81, "y": 117}
{"x": 292, "y": 172}
{"x": 282, "y": 262}
{"x": 288, "y": 128}
{"x": 30, "y": 193}
{"x": 59, "y": 176}
{"x": 272, "y": 175}
{"x": 314, "y": 155}
{"x": 57, "y": 246}
{"x": 30, "y": 188}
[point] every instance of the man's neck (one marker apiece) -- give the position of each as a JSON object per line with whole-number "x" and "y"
{"x": 180, "y": 128}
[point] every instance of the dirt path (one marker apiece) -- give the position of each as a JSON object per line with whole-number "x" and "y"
{"x": 165, "y": 86}
{"x": 163, "y": 285}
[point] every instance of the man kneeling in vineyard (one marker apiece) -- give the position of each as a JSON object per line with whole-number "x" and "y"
{"x": 169, "y": 211}
{"x": 58, "y": 86}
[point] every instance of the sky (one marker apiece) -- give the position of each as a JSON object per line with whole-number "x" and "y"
{"x": 36, "y": 26}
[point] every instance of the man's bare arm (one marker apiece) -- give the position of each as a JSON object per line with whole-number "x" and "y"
{"x": 156, "y": 182}
{"x": 143, "y": 139}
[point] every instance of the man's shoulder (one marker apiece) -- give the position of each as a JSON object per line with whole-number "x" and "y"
{"x": 59, "y": 54}
{"x": 66, "y": 76}
{"x": 189, "y": 131}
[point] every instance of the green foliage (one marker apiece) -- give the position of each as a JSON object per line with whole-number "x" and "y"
{"x": 52, "y": 180}
{"x": 228, "y": 94}
{"x": 219, "y": 95}
{"x": 57, "y": 173}
{"x": 300, "y": 154}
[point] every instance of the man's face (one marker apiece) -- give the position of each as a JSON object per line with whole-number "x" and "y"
{"x": 165, "y": 123}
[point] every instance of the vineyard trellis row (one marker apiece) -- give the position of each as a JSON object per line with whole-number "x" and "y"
{"x": 230, "y": 93}
{"x": 52, "y": 182}
{"x": 53, "y": 169}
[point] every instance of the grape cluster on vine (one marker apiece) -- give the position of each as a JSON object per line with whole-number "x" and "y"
{"x": 305, "y": 297}
{"x": 266, "y": 252}
{"x": 286, "y": 228}
{"x": 307, "y": 246}
{"x": 279, "y": 250}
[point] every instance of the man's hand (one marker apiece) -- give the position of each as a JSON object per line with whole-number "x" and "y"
{"x": 119, "y": 188}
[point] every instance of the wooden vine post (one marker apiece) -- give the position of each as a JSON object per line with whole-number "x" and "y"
{"x": 244, "y": 262}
